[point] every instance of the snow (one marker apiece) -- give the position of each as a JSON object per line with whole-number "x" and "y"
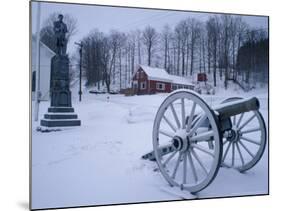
{"x": 160, "y": 74}
{"x": 180, "y": 80}
{"x": 100, "y": 162}
{"x": 157, "y": 74}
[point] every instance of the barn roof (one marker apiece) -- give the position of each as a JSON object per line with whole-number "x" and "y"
{"x": 160, "y": 74}
{"x": 180, "y": 80}
{"x": 157, "y": 74}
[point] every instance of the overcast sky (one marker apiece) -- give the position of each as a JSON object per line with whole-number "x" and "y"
{"x": 122, "y": 19}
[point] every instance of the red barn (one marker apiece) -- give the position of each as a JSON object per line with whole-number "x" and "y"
{"x": 150, "y": 80}
{"x": 201, "y": 77}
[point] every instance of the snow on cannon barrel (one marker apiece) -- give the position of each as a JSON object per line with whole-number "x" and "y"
{"x": 191, "y": 141}
{"x": 229, "y": 109}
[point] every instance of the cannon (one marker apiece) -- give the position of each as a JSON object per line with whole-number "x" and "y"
{"x": 191, "y": 140}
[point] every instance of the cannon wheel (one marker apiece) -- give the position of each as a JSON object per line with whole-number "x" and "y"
{"x": 247, "y": 142}
{"x": 195, "y": 159}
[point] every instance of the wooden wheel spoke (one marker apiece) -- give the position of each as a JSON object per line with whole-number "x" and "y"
{"x": 184, "y": 168}
{"x": 166, "y": 133}
{"x": 247, "y": 121}
{"x": 169, "y": 123}
{"x": 240, "y": 154}
{"x": 251, "y": 130}
{"x": 170, "y": 157}
{"x": 233, "y": 154}
{"x": 175, "y": 115}
{"x": 247, "y": 150}
{"x": 192, "y": 167}
{"x": 226, "y": 151}
{"x": 183, "y": 113}
{"x": 199, "y": 161}
{"x": 240, "y": 119}
{"x": 250, "y": 140}
{"x": 177, "y": 166}
{"x": 202, "y": 149}
{"x": 197, "y": 124}
{"x": 190, "y": 118}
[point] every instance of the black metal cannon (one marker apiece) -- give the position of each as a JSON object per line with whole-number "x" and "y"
{"x": 191, "y": 141}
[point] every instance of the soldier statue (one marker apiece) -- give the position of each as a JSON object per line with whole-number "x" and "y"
{"x": 60, "y": 113}
{"x": 60, "y": 29}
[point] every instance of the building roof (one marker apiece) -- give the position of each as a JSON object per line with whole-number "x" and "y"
{"x": 180, "y": 80}
{"x": 157, "y": 74}
{"x": 43, "y": 45}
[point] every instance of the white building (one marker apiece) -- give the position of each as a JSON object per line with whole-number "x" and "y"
{"x": 45, "y": 69}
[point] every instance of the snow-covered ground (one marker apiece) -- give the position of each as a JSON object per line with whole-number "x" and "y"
{"x": 100, "y": 162}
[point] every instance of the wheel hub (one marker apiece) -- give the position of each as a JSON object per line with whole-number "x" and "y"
{"x": 181, "y": 141}
{"x": 233, "y": 135}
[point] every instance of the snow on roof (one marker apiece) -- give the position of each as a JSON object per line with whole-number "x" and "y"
{"x": 180, "y": 80}
{"x": 43, "y": 44}
{"x": 158, "y": 74}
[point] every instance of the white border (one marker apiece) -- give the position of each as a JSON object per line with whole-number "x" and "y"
{"x": 15, "y": 103}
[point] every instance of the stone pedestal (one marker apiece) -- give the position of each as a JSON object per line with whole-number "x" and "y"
{"x": 60, "y": 113}
{"x": 60, "y": 117}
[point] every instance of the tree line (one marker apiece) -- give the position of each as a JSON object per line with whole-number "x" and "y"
{"x": 191, "y": 46}
{"x": 253, "y": 60}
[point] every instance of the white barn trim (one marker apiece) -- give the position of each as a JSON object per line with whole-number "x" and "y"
{"x": 45, "y": 68}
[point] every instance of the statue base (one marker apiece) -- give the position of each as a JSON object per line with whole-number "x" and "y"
{"x": 60, "y": 113}
{"x": 60, "y": 93}
{"x": 60, "y": 117}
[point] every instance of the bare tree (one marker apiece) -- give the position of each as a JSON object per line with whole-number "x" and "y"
{"x": 226, "y": 24}
{"x": 194, "y": 31}
{"x": 111, "y": 46}
{"x": 202, "y": 43}
{"x": 203, "y": 38}
{"x": 138, "y": 32}
{"x": 132, "y": 36}
{"x": 213, "y": 28}
{"x": 212, "y": 47}
{"x": 183, "y": 31}
{"x": 178, "y": 46}
{"x": 150, "y": 38}
{"x": 209, "y": 40}
{"x": 174, "y": 51}
{"x": 233, "y": 37}
{"x": 73, "y": 67}
{"x": 242, "y": 27}
{"x": 92, "y": 57}
{"x": 165, "y": 38}
{"x": 120, "y": 56}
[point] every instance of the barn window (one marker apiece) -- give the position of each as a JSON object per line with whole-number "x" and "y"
{"x": 138, "y": 75}
{"x": 143, "y": 85}
{"x": 190, "y": 87}
{"x": 174, "y": 87}
{"x": 160, "y": 86}
{"x": 135, "y": 84}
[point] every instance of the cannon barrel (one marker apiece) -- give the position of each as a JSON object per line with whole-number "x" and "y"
{"x": 229, "y": 109}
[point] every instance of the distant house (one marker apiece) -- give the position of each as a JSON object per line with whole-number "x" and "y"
{"x": 45, "y": 68}
{"x": 150, "y": 80}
